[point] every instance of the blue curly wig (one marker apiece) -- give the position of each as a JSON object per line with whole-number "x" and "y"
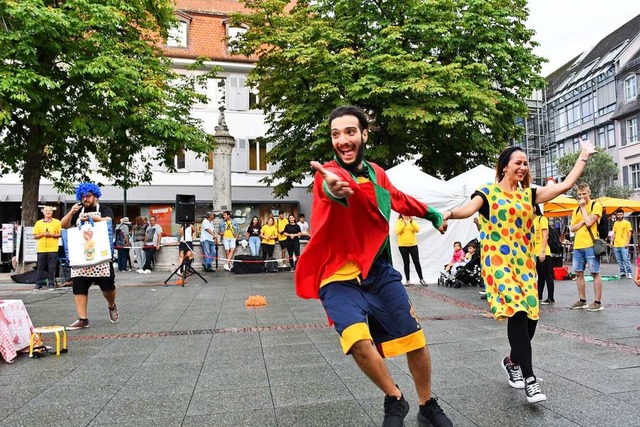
{"x": 87, "y": 187}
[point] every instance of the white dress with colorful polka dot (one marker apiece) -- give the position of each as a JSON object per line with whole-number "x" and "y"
{"x": 508, "y": 263}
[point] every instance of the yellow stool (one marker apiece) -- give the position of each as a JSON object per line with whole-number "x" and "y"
{"x": 36, "y": 338}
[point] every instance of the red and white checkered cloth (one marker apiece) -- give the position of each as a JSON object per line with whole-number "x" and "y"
{"x": 15, "y": 328}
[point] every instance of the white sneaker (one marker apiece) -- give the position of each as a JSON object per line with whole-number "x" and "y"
{"x": 146, "y": 272}
{"x": 140, "y": 271}
{"x": 532, "y": 390}
{"x": 226, "y": 267}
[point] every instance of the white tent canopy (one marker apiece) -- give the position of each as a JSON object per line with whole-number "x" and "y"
{"x": 435, "y": 249}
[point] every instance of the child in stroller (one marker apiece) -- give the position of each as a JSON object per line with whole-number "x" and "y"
{"x": 467, "y": 273}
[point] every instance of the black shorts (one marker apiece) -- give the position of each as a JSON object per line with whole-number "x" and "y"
{"x": 82, "y": 284}
{"x": 185, "y": 247}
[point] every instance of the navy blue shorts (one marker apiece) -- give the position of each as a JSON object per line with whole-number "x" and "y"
{"x": 377, "y": 308}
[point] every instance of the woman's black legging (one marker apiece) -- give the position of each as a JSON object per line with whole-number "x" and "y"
{"x": 405, "y": 251}
{"x": 520, "y": 330}
{"x": 267, "y": 250}
{"x": 545, "y": 275}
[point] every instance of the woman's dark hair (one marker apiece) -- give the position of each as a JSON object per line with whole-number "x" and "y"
{"x": 503, "y": 161}
{"x": 257, "y": 219}
{"x": 350, "y": 110}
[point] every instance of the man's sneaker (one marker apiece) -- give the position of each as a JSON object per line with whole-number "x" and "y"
{"x": 431, "y": 414}
{"x": 146, "y": 271}
{"x": 514, "y": 374}
{"x": 622, "y": 275}
{"x": 596, "y": 306}
{"x": 78, "y": 324}
{"x": 532, "y": 390}
{"x": 547, "y": 301}
{"x": 394, "y": 411}
{"x": 140, "y": 271}
{"x": 113, "y": 314}
{"x": 578, "y": 305}
{"x": 423, "y": 283}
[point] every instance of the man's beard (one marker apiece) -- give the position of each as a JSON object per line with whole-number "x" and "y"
{"x": 357, "y": 162}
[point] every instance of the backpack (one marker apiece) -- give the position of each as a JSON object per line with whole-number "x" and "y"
{"x": 119, "y": 239}
{"x": 553, "y": 240}
{"x": 603, "y": 223}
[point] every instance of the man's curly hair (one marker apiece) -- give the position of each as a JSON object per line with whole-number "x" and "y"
{"x": 87, "y": 187}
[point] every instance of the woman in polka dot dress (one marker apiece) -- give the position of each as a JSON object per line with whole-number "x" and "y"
{"x": 508, "y": 263}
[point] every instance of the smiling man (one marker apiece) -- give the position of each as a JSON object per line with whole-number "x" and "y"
{"x": 347, "y": 265}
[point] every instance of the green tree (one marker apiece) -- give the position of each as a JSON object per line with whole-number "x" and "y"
{"x": 599, "y": 172}
{"x": 618, "y": 191}
{"x": 84, "y": 88}
{"x": 443, "y": 79}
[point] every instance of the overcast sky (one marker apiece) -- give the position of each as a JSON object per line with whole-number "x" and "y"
{"x": 565, "y": 28}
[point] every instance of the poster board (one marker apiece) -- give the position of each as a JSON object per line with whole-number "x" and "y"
{"x": 29, "y": 249}
{"x": 8, "y": 239}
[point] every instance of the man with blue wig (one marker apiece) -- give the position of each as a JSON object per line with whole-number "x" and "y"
{"x": 101, "y": 274}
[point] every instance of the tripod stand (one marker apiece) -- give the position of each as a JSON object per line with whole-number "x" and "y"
{"x": 186, "y": 271}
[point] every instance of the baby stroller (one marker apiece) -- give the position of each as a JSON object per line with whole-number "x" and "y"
{"x": 468, "y": 274}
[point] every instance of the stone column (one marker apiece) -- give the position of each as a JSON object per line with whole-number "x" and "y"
{"x": 222, "y": 165}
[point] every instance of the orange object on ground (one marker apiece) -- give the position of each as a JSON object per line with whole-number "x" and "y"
{"x": 255, "y": 300}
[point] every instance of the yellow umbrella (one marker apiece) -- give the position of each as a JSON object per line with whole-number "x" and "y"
{"x": 611, "y": 204}
{"x": 560, "y": 206}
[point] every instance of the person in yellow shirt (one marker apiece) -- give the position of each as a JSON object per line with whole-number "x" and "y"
{"x": 542, "y": 253}
{"x": 47, "y": 232}
{"x": 269, "y": 234}
{"x": 406, "y": 229}
{"x": 620, "y": 242}
{"x": 281, "y": 222}
{"x": 586, "y": 219}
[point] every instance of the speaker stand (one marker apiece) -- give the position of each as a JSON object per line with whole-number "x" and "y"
{"x": 187, "y": 270}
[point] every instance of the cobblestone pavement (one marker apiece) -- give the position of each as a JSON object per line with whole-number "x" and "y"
{"x": 196, "y": 356}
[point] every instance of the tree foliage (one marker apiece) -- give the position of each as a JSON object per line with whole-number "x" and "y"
{"x": 598, "y": 173}
{"x": 85, "y": 80}
{"x": 443, "y": 79}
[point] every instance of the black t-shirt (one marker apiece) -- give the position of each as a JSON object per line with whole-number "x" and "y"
{"x": 105, "y": 211}
{"x": 292, "y": 229}
{"x": 253, "y": 230}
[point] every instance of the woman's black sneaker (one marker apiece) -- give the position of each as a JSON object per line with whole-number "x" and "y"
{"x": 432, "y": 415}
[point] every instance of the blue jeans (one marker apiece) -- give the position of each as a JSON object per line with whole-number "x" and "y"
{"x": 582, "y": 257}
{"x": 254, "y": 245}
{"x": 209, "y": 251}
{"x": 622, "y": 256}
{"x": 123, "y": 258}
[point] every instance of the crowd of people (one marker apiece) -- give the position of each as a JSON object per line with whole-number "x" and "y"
{"x": 363, "y": 295}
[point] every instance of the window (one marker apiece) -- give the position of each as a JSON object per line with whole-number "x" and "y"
{"x": 233, "y": 33}
{"x": 611, "y": 135}
{"x": 630, "y": 88}
{"x": 576, "y": 145}
{"x": 632, "y": 130}
{"x": 573, "y": 114}
{"x": 239, "y": 96}
{"x": 180, "y": 160}
{"x": 602, "y": 137}
{"x": 178, "y": 35}
{"x": 587, "y": 108}
{"x": 562, "y": 120}
{"x": 257, "y": 155}
{"x": 635, "y": 176}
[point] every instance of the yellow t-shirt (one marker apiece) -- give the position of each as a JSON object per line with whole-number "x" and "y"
{"x": 582, "y": 238}
{"x": 228, "y": 230}
{"x": 270, "y": 231}
{"x": 621, "y": 230}
{"x": 47, "y": 244}
{"x": 281, "y": 224}
{"x": 539, "y": 224}
{"x": 407, "y": 232}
